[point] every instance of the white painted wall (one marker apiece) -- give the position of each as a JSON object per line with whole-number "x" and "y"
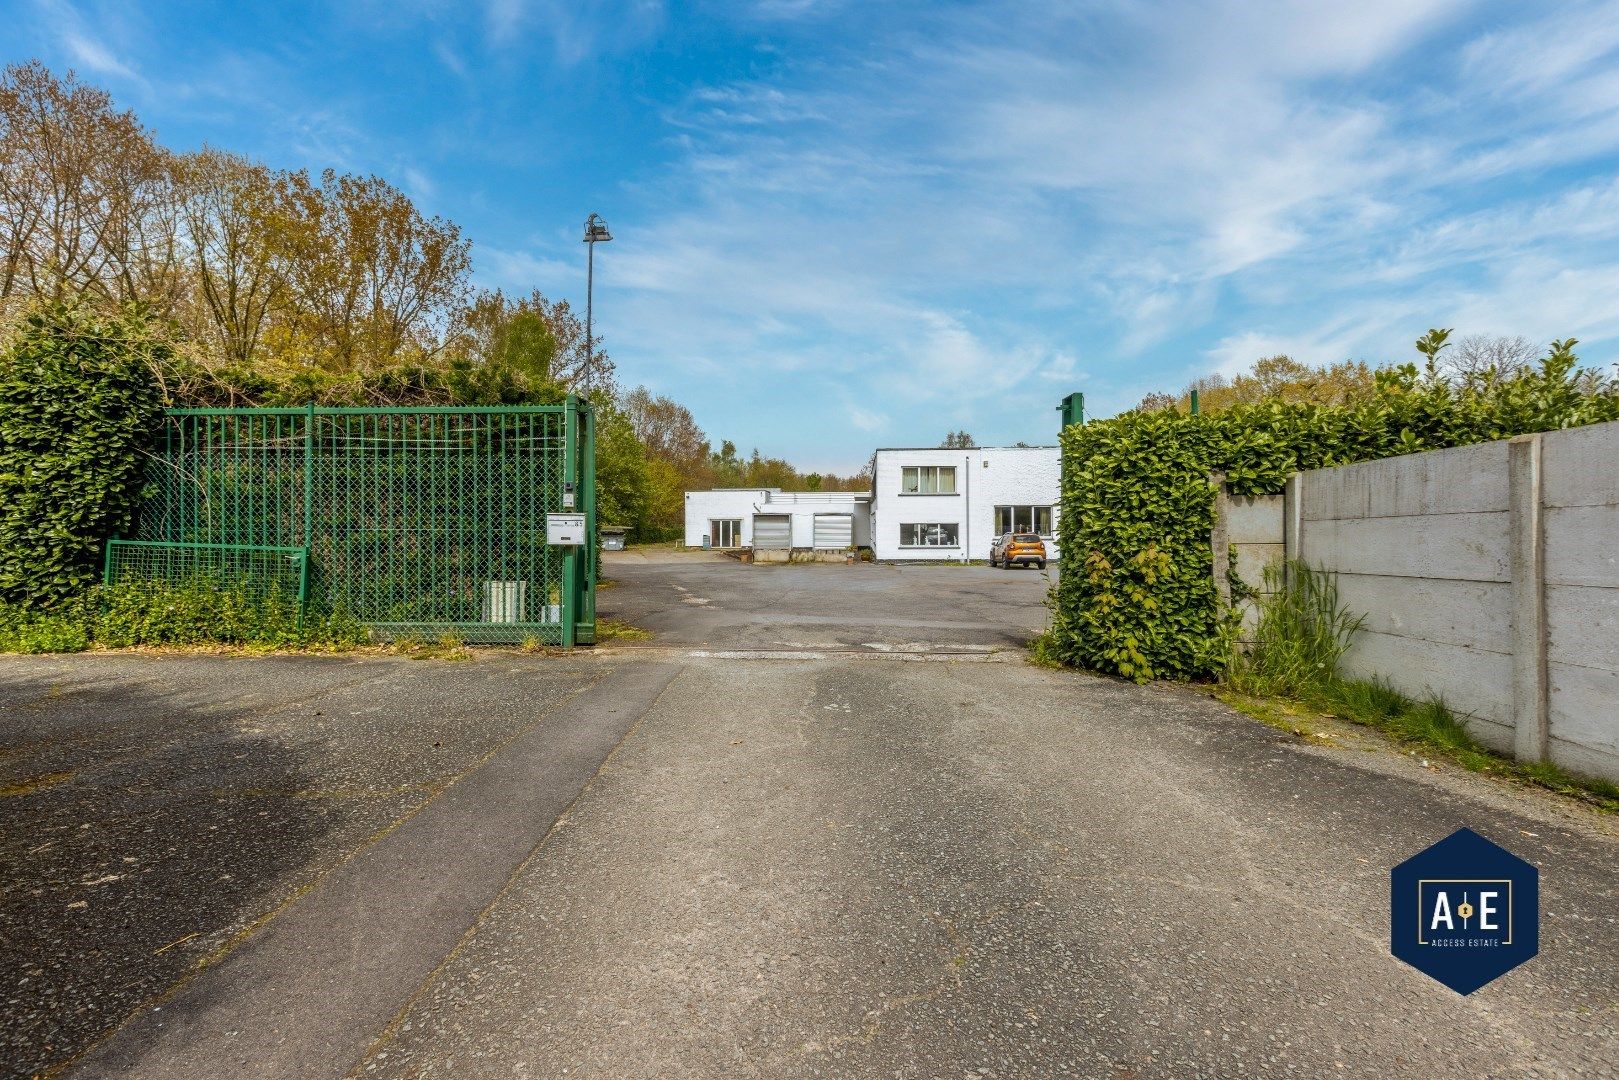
{"x": 801, "y": 506}
{"x": 986, "y": 477}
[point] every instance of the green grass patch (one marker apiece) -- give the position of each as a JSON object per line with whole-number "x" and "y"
{"x": 444, "y": 647}
{"x": 619, "y": 630}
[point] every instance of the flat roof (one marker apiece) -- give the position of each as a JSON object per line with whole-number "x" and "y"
{"x": 953, "y": 449}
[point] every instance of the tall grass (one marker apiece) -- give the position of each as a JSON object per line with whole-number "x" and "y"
{"x": 1302, "y": 632}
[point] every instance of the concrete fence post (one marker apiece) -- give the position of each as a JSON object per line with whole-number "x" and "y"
{"x": 1292, "y": 526}
{"x": 1220, "y": 539}
{"x": 1530, "y": 685}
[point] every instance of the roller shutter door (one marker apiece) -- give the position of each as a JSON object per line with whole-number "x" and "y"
{"x": 834, "y": 531}
{"x": 772, "y": 531}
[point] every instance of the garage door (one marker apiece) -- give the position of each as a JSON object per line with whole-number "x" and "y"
{"x": 772, "y": 531}
{"x": 834, "y": 531}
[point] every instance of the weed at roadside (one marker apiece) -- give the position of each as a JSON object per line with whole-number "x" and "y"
{"x": 1302, "y": 633}
{"x": 619, "y": 630}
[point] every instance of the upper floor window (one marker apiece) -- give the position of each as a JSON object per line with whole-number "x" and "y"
{"x": 1023, "y": 519}
{"x": 928, "y": 480}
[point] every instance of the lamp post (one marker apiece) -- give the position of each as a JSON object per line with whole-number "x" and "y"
{"x": 595, "y": 233}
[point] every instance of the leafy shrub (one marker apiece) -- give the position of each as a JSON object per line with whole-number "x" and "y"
{"x": 78, "y": 406}
{"x": 1138, "y": 598}
{"x": 153, "y": 613}
{"x": 65, "y": 629}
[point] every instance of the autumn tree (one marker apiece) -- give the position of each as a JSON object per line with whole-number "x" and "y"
{"x": 369, "y": 277}
{"x": 86, "y": 195}
{"x": 1272, "y": 378}
{"x": 231, "y": 213}
{"x": 957, "y": 440}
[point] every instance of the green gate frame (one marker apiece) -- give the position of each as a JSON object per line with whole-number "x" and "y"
{"x": 417, "y": 520}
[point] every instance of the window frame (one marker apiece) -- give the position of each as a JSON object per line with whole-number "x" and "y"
{"x": 937, "y": 471}
{"x": 1010, "y": 522}
{"x": 714, "y": 532}
{"x": 917, "y": 543}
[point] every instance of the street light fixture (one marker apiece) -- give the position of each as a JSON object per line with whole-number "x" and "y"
{"x": 595, "y": 233}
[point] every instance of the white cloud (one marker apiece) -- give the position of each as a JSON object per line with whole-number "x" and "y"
{"x": 865, "y": 419}
{"x": 970, "y": 211}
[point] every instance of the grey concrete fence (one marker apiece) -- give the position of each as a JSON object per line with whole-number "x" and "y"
{"x": 1488, "y": 576}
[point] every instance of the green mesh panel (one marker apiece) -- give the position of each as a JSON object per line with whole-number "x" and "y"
{"x": 418, "y": 521}
{"x": 262, "y": 570}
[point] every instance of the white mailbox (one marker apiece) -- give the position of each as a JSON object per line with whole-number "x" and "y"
{"x": 565, "y": 530}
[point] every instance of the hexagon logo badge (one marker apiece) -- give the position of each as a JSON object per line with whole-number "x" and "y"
{"x": 1465, "y": 911}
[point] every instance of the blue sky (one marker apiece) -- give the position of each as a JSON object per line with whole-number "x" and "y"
{"x": 845, "y": 225}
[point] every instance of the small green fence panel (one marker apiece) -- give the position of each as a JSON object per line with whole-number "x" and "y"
{"x": 417, "y": 521}
{"x": 262, "y": 571}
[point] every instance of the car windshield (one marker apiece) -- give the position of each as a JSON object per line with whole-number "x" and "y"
{"x": 1026, "y": 538}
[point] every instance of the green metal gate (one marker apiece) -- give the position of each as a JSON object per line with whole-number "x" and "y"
{"x": 416, "y": 520}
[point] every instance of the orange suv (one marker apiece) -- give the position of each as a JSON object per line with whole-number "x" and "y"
{"x": 1011, "y": 549}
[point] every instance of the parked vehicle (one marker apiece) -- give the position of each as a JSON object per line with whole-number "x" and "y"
{"x": 1018, "y": 549}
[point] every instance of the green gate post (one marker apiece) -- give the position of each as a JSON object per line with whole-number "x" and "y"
{"x": 586, "y": 633}
{"x": 309, "y": 509}
{"x": 1072, "y": 409}
{"x": 570, "y": 557}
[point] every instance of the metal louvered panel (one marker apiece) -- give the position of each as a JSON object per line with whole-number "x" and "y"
{"x": 834, "y": 531}
{"x": 772, "y": 531}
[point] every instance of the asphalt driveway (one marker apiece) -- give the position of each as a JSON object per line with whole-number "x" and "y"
{"x": 708, "y": 600}
{"x": 762, "y": 843}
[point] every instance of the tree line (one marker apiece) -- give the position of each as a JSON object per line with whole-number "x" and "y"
{"x": 282, "y": 286}
{"x": 1475, "y": 362}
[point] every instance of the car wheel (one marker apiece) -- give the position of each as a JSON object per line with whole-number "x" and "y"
{"x": 1041, "y": 564}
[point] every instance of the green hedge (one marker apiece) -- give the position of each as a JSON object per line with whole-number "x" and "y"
{"x": 1137, "y": 598}
{"x": 79, "y": 403}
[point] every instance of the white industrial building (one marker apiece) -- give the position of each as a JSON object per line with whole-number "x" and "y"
{"x": 952, "y": 504}
{"x": 769, "y": 518}
{"x": 924, "y": 504}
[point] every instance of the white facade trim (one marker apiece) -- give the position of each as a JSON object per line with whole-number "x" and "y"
{"x": 986, "y": 477}
{"x": 742, "y": 504}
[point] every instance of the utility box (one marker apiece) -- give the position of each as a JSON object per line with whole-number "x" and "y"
{"x": 505, "y": 601}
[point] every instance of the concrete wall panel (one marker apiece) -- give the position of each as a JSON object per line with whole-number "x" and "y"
{"x": 1581, "y": 466}
{"x": 1582, "y": 545}
{"x": 1470, "y": 681}
{"x": 1582, "y": 627}
{"x": 1468, "y": 479}
{"x": 1469, "y": 614}
{"x": 1254, "y": 520}
{"x": 1463, "y": 547}
{"x": 1584, "y": 711}
{"x": 1252, "y": 560}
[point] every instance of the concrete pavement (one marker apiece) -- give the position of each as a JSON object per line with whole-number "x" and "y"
{"x": 973, "y": 869}
{"x": 673, "y": 861}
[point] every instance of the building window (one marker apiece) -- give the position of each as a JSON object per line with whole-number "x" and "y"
{"x": 1023, "y": 519}
{"x": 928, "y": 480}
{"x": 725, "y": 532}
{"x": 943, "y": 535}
